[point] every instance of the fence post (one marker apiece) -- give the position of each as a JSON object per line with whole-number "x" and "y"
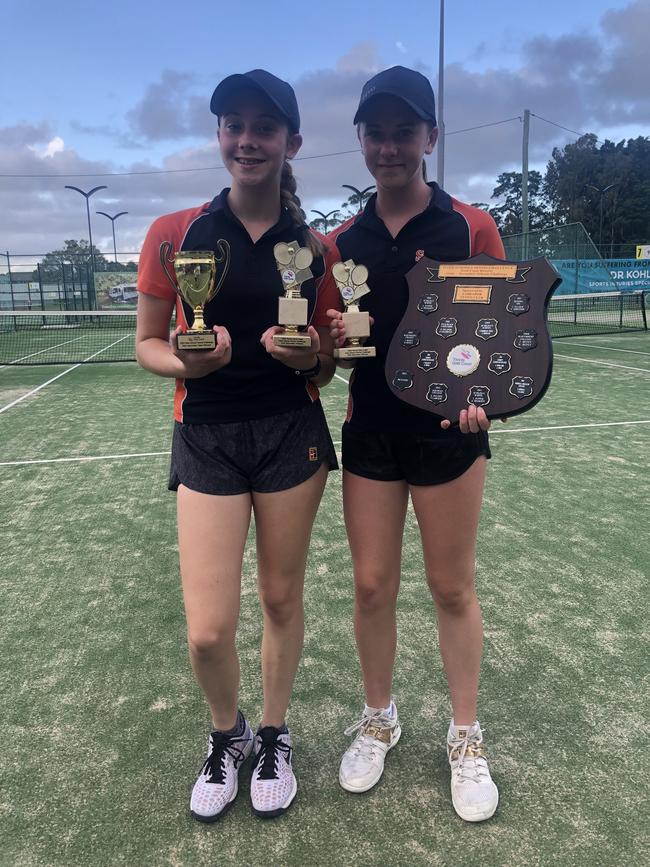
{"x": 40, "y": 285}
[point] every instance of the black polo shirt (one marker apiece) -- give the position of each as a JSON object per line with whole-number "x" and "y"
{"x": 447, "y": 231}
{"x": 253, "y": 384}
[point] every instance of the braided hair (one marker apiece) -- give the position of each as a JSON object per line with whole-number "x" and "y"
{"x": 291, "y": 202}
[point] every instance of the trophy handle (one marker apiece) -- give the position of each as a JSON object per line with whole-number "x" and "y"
{"x": 222, "y": 256}
{"x": 165, "y": 259}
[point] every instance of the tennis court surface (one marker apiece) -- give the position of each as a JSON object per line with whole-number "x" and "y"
{"x": 103, "y": 728}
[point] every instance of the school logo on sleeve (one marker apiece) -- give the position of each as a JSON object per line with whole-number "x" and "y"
{"x": 418, "y": 255}
{"x": 313, "y": 453}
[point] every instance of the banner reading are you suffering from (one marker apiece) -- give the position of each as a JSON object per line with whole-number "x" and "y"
{"x": 602, "y": 275}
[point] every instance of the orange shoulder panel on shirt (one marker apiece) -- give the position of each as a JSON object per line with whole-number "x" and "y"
{"x": 172, "y": 228}
{"x": 485, "y": 237}
{"x": 328, "y": 294}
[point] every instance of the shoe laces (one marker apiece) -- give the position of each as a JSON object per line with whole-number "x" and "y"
{"x": 268, "y": 755}
{"x": 369, "y": 729}
{"x": 469, "y": 755}
{"x": 214, "y": 767}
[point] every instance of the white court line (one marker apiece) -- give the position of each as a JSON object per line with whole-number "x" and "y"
{"x": 606, "y": 348}
{"x": 603, "y": 363}
{"x": 59, "y": 375}
{"x": 342, "y": 378}
{"x": 566, "y": 426}
{"x": 40, "y": 352}
{"x": 83, "y": 459}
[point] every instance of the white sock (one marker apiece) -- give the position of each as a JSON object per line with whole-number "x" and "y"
{"x": 453, "y": 728}
{"x": 390, "y": 711}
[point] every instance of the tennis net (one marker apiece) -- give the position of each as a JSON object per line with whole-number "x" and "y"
{"x": 81, "y": 337}
{"x": 597, "y": 313}
{"x": 66, "y": 337}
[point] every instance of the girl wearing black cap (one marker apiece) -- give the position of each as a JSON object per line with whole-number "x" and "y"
{"x": 391, "y": 450}
{"x": 250, "y": 435}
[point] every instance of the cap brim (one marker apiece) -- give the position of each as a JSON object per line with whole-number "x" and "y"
{"x": 234, "y": 83}
{"x": 363, "y": 107}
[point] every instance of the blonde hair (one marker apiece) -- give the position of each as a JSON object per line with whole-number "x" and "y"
{"x": 291, "y": 202}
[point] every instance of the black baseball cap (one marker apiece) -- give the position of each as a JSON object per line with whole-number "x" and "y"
{"x": 279, "y": 92}
{"x": 406, "y": 84}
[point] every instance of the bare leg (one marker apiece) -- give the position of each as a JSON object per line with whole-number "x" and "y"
{"x": 374, "y": 518}
{"x": 448, "y": 517}
{"x": 212, "y": 533}
{"x": 283, "y": 523}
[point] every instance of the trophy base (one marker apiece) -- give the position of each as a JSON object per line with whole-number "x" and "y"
{"x": 355, "y": 352}
{"x": 191, "y": 340}
{"x": 297, "y": 341}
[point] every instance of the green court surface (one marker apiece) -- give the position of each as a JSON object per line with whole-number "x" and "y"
{"x": 103, "y": 728}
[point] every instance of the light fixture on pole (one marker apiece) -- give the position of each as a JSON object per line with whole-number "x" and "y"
{"x": 325, "y": 218}
{"x": 90, "y": 234}
{"x": 361, "y": 195}
{"x": 602, "y": 194}
{"x": 112, "y": 219}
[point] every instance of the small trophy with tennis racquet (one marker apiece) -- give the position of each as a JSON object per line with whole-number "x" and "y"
{"x": 199, "y": 276}
{"x": 351, "y": 281}
{"x": 293, "y": 263}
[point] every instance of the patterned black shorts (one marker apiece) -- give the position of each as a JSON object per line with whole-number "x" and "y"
{"x": 264, "y": 454}
{"x": 419, "y": 459}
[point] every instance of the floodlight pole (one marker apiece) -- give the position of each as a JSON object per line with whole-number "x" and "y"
{"x": 602, "y": 197}
{"x": 112, "y": 219}
{"x": 441, "y": 98}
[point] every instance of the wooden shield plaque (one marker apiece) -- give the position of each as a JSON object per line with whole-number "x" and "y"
{"x": 474, "y": 332}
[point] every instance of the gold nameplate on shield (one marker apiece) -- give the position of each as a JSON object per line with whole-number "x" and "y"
{"x": 451, "y": 270}
{"x": 465, "y": 294}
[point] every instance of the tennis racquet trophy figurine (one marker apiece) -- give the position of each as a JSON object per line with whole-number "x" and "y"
{"x": 293, "y": 263}
{"x": 351, "y": 281}
{"x": 199, "y": 276}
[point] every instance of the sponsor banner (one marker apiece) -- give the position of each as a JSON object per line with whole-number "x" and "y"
{"x": 602, "y": 275}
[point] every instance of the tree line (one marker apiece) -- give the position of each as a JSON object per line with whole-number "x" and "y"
{"x": 605, "y": 186}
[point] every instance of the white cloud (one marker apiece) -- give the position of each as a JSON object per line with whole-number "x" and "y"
{"x": 54, "y": 146}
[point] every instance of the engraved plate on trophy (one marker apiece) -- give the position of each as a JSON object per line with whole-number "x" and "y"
{"x": 479, "y": 395}
{"x": 489, "y": 336}
{"x": 447, "y": 327}
{"x": 518, "y": 303}
{"x": 403, "y": 379}
{"x": 521, "y": 386}
{"x": 428, "y": 303}
{"x": 526, "y": 339}
{"x": 486, "y": 329}
{"x": 428, "y": 360}
{"x": 436, "y": 393}
{"x": 500, "y": 362}
{"x": 199, "y": 276}
{"x": 293, "y": 263}
{"x": 410, "y": 338}
{"x": 352, "y": 283}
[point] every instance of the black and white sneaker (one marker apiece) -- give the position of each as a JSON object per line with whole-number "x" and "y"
{"x": 273, "y": 783}
{"x": 217, "y": 783}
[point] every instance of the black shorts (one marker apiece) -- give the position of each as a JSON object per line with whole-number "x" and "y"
{"x": 419, "y": 459}
{"x": 264, "y": 454}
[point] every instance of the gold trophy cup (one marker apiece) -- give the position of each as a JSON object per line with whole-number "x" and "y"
{"x": 197, "y": 283}
{"x": 351, "y": 281}
{"x": 293, "y": 263}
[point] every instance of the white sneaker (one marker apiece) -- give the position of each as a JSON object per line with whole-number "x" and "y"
{"x": 473, "y": 793}
{"x": 273, "y": 783}
{"x": 217, "y": 783}
{"x": 363, "y": 762}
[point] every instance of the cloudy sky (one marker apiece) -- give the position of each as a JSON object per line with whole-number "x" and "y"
{"x": 118, "y": 94}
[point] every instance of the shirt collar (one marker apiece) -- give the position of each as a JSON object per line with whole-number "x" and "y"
{"x": 220, "y": 205}
{"x": 440, "y": 200}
